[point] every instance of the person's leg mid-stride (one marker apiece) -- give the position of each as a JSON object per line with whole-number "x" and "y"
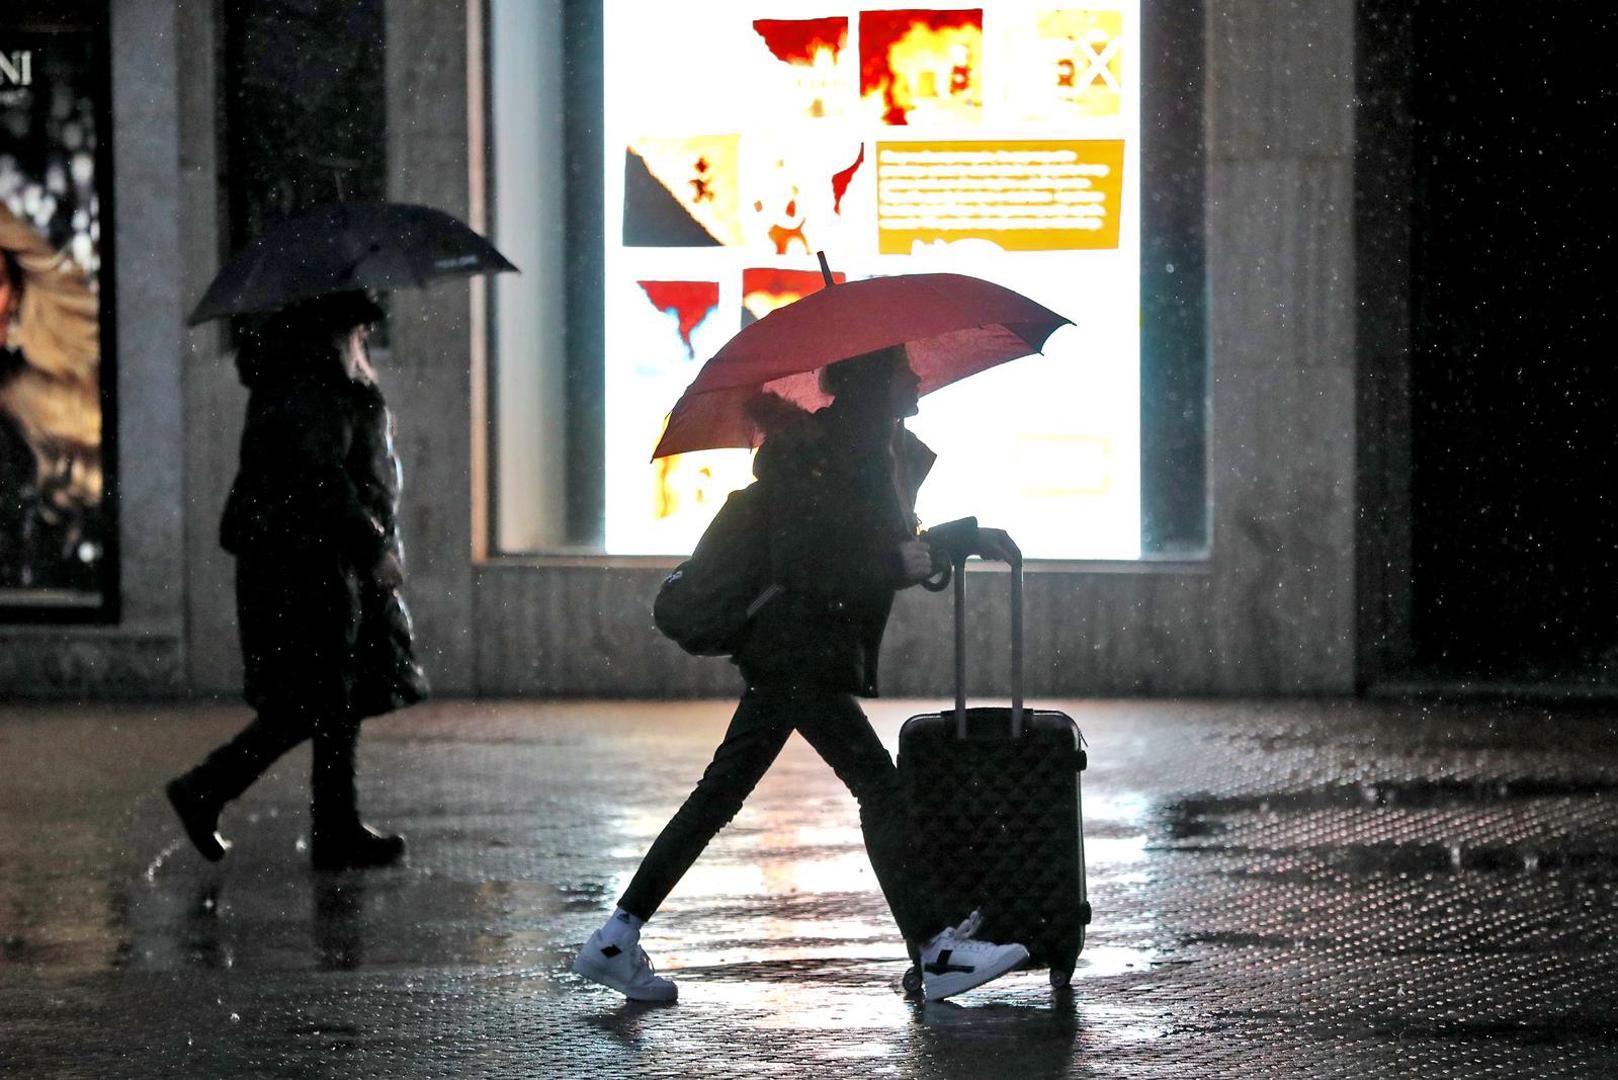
{"x": 952, "y": 959}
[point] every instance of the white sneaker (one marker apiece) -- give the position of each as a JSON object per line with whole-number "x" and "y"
{"x": 955, "y": 961}
{"x": 627, "y": 969}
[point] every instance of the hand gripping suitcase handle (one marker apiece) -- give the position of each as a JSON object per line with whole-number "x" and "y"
{"x": 1016, "y": 649}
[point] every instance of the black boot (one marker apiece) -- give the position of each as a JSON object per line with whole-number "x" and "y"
{"x": 199, "y": 814}
{"x": 199, "y": 795}
{"x": 338, "y": 840}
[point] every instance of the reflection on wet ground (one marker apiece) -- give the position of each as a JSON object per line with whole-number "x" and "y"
{"x": 1299, "y": 889}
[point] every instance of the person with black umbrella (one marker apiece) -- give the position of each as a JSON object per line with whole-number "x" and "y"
{"x": 313, "y": 516}
{"x": 312, "y": 520}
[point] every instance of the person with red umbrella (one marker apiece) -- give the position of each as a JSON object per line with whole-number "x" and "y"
{"x": 839, "y": 488}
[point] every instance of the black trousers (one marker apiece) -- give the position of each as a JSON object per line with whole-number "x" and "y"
{"x": 833, "y": 724}
{"x": 231, "y": 769}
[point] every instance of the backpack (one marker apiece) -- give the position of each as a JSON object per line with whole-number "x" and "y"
{"x": 705, "y": 604}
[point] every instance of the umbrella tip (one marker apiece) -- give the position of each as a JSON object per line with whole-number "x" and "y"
{"x": 825, "y": 268}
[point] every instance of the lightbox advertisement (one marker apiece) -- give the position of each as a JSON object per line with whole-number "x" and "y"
{"x": 1000, "y": 140}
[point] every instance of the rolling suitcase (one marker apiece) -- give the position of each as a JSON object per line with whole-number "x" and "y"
{"x": 1001, "y": 787}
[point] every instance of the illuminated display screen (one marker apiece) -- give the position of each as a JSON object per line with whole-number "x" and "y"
{"x": 58, "y": 525}
{"x": 999, "y": 140}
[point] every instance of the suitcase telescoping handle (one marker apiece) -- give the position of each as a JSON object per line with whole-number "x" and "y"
{"x": 1016, "y": 649}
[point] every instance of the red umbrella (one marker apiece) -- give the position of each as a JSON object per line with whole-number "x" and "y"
{"x": 951, "y": 325}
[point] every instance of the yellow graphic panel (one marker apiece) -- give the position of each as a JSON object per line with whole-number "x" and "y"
{"x": 1084, "y": 50}
{"x": 1033, "y": 195}
{"x": 700, "y": 173}
{"x": 690, "y": 484}
{"x": 1061, "y": 466}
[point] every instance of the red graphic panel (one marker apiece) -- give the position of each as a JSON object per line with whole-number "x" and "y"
{"x": 841, "y": 180}
{"x": 765, "y": 289}
{"x": 799, "y": 41}
{"x": 688, "y": 301}
{"x": 922, "y": 61}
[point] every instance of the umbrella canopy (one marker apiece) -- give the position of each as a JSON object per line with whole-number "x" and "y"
{"x": 952, "y": 326}
{"x": 344, "y": 247}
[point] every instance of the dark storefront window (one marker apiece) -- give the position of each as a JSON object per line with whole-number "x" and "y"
{"x": 286, "y": 152}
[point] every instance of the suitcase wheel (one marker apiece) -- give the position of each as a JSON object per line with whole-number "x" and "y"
{"x": 912, "y": 982}
{"x": 1061, "y": 977}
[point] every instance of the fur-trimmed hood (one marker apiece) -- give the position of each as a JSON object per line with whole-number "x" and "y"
{"x": 794, "y": 436}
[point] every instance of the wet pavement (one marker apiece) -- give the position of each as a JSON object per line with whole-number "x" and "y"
{"x": 1309, "y": 889}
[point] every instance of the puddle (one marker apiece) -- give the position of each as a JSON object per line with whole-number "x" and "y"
{"x": 1188, "y": 813}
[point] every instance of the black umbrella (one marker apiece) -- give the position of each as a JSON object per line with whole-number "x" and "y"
{"x": 343, "y": 247}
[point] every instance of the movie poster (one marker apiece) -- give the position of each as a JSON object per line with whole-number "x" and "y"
{"x": 999, "y": 139}
{"x": 57, "y": 524}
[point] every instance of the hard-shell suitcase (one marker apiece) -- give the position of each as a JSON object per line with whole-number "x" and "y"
{"x": 994, "y": 795}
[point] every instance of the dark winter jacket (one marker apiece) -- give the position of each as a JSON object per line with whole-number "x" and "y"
{"x": 312, "y": 513}
{"x": 840, "y": 502}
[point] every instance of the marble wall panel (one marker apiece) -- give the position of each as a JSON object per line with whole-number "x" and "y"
{"x": 584, "y": 630}
{"x": 1282, "y": 269}
{"x": 214, "y": 399}
{"x": 428, "y": 383}
{"x": 1085, "y": 633}
{"x": 151, "y": 431}
{"x": 215, "y": 404}
{"x": 572, "y": 630}
{"x": 1284, "y": 528}
{"x": 1280, "y": 78}
{"x": 89, "y": 663}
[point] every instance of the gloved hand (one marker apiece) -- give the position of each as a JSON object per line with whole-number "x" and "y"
{"x": 997, "y": 544}
{"x": 960, "y": 539}
{"x": 916, "y": 560}
{"x": 954, "y": 540}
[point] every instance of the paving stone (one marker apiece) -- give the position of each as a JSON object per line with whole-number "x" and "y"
{"x": 1309, "y": 889}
